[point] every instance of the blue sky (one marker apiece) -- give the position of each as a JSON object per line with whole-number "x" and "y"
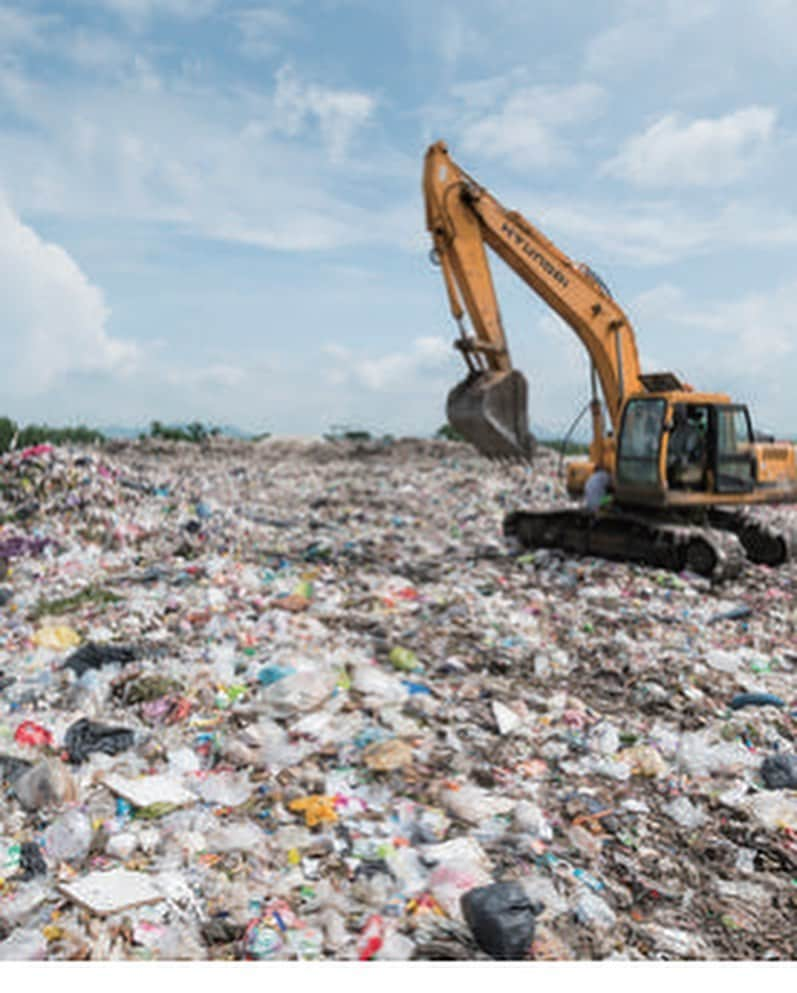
{"x": 211, "y": 209}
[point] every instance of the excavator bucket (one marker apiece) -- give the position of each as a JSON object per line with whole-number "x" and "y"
{"x": 490, "y": 410}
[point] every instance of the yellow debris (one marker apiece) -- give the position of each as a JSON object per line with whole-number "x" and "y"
{"x": 58, "y": 638}
{"x": 316, "y": 809}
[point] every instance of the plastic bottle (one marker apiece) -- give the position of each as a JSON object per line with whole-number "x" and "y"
{"x": 594, "y": 912}
{"x": 263, "y": 941}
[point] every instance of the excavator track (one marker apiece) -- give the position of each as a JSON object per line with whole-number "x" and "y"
{"x": 766, "y": 541}
{"x": 707, "y": 551}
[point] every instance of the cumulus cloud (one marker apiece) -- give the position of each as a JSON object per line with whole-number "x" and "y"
{"x": 53, "y": 317}
{"x": 644, "y": 36}
{"x": 702, "y": 152}
{"x": 224, "y": 163}
{"x": 744, "y": 345}
{"x": 338, "y": 113}
{"x": 525, "y": 128}
{"x": 401, "y": 371}
{"x": 661, "y": 231}
{"x": 759, "y": 330}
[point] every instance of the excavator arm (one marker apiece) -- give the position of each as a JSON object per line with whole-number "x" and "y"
{"x": 463, "y": 218}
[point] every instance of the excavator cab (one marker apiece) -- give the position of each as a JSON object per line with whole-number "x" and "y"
{"x": 490, "y": 410}
{"x": 672, "y": 447}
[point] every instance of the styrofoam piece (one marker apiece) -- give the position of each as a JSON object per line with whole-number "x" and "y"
{"x": 105, "y": 893}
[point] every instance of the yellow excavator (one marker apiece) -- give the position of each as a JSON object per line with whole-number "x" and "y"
{"x": 685, "y": 468}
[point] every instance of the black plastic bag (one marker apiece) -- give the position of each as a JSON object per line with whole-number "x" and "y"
{"x": 84, "y": 737}
{"x": 779, "y": 772}
{"x": 501, "y": 918}
{"x": 92, "y": 656}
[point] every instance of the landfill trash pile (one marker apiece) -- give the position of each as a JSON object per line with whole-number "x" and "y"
{"x": 296, "y": 700}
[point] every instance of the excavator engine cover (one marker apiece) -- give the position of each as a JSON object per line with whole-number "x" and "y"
{"x": 490, "y": 410}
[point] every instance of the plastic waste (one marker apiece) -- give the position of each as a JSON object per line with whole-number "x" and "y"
{"x": 11, "y": 768}
{"x": 47, "y": 784}
{"x": 734, "y": 614}
{"x": 316, "y": 809}
{"x": 684, "y": 812}
{"x": 570, "y": 726}
{"x": 59, "y": 638}
{"x": 85, "y": 737}
{"x": 94, "y": 656}
{"x": 24, "y": 945}
{"x": 404, "y": 660}
{"x": 31, "y": 861}
{"x": 225, "y": 789}
{"x": 501, "y": 918}
{"x": 371, "y": 938}
{"x": 779, "y": 772}
{"x": 68, "y": 838}
{"x": 31, "y": 733}
{"x": 594, "y": 911}
{"x": 756, "y": 700}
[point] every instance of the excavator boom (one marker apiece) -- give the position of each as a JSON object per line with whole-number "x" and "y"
{"x": 489, "y": 407}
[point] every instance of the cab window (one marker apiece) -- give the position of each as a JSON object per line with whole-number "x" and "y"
{"x": 734, "y": 450}
{"x": 639, "y": 443}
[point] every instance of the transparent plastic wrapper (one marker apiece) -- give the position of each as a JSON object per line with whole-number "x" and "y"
{"x": 225, "y": 789}
{"x": 474, "y": 804}
{"x": 685, "y": 813}
{"x": 593, "y": 911}
{"x": 68, "y": 838}
{"x": 702, "y": 757}
{"x": 456, "y": 867}
{"x": 383, "y": 687}
{"x": 300, "y": 691}
{"x": 47, "y": 784}
{"x": 775, "y": 811}
{"x": 24, "y": 945}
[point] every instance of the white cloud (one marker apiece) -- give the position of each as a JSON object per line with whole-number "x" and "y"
{"x": 653, "y": 303}
{"x": 220, "y": 374}
{"x": 262, "y": 30}
{"x": 645, "y": 33}
{"x": 710, "y": 42}
{"x": 339, "y": 113}
{"x": 658, "y": 232}
{"x": 142, "y": 10}
{"x": 53, "y": 317}
{"x": 95, "y": 51}
{"x": 524, "y": 131}
{"x": 702, "y": 152}
{"x": 229, "y": 163}
{"x": 743, "y": 345}
{"x": 22, "y": 28}
{"x": 396, "y": 372}
{"x": 758, "y": 331}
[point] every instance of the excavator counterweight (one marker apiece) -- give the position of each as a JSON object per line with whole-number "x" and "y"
{"x": 490, "y": 410}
